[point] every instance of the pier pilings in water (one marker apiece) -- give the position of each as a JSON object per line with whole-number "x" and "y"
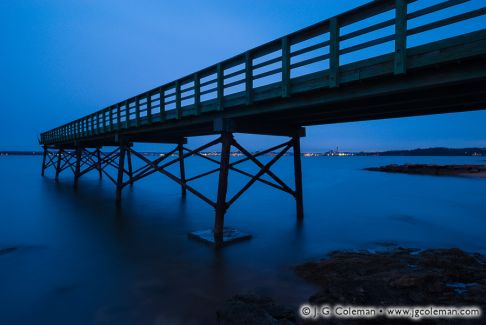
{"x": 83, "y": 158}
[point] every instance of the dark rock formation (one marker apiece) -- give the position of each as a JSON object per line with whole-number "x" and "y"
{"x": 427, "y": 169}
{"x": 401, "y": 277}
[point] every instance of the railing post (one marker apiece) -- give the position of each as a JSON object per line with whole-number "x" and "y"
{"x": 334, "y": 52}
{"x": 149, "y": 108}
{"x": 221, "y": 205}
{"x": 178, "y": 99}
{"x": 220, "y": 86}
{"x": 91, "y": 124}
{"x": 110, "y": 114}
{"x": 197, "y": 93}
{"x": 285, "y": 67}
{"x": 127, "y": 114}
{"x": 137, "y": 111}
{"x": 400, "y": 37}
{"x": 104, "y": 122}
{"x": 118, "y": 117}
{"x": 162, "y": 104}
{"x": 249, "y": 78}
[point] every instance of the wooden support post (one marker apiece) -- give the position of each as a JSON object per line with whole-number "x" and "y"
{"x": 180, "y": 149}
{"x": 400, "y": 66}
{"x": 334, "y": 52}
{"x": 58, "y": 165}
{"x": 221, "y": 205}
{"x": 44, "y": 161}
{"x": 298, "y": 178}
{"x": 98, "y": 157}
{"x": 77, "y": 168}
{"x": 121, "y": 171}
{"x": 130, "y": 168}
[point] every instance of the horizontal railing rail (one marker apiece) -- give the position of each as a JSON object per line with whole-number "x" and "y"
{"x": 273, "y": 66}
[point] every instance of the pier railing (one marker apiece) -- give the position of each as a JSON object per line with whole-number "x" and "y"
{"x": 273, "y": 69}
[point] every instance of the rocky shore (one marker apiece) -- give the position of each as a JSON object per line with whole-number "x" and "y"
{"x": 438, "y": 170}
{"x": 407, "y": 277}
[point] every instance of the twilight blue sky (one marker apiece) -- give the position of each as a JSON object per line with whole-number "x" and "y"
{"x": 61, "y": 59}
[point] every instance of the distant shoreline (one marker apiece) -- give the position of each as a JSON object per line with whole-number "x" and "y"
{"x": 428, "y": 152}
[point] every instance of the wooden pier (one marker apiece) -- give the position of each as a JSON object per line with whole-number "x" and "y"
{"x": 277, "y": 89}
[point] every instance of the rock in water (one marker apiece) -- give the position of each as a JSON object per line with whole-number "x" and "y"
{"x": 7, "y": 250}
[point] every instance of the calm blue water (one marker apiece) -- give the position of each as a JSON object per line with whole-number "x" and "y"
{"x": 81, "y": 260}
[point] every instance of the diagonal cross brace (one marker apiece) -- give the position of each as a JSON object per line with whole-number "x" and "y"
{"x": 264, "y": 169}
